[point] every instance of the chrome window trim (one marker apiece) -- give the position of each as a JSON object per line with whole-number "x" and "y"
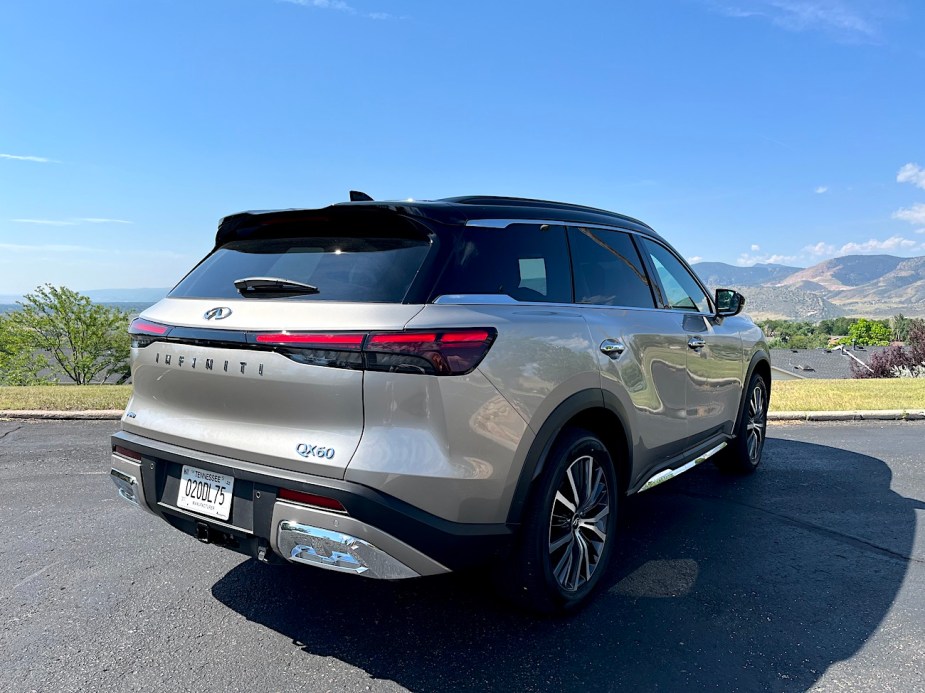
{"x": 505, "y": 300}
{"x": 504, "y": 223}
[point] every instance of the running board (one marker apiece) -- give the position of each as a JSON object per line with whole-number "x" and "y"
{"x": 667, "y": 474}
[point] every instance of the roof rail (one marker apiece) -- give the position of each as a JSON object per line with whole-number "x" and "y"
{"x": 493, "y": 200}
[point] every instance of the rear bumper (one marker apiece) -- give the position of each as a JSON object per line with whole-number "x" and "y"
{"x": 378, "y": 536}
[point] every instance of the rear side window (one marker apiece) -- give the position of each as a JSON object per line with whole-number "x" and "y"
{"x": 528, "y": 262}
{"x": 353, "y": 269}
{"x": 607, "y": 269}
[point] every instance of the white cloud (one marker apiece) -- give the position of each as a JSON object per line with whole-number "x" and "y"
{"x": 875, "y": 246}
{"x": 747, "y": 260}
{"x": 914, "y": 214}
{"x": 45, "y": 222}
{"x": 847, "y": 18}
{"x": 822, "y": 189}
{"x": 755, "y": 248}
{"x": 912, "y": 173}
{"x": 72, "y": 222}
{"x": 36, "y": 159}
{"x": 893, "y": 243}
{"x": 694, "y": 260}
{"x": 820, "y": 249}
{"x": 339, "y": 6}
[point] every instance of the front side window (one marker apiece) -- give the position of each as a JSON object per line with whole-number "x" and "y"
{"x": 607, "y": 269}
{"x": 682, "y": 292}
{"x": 528, "y": 262}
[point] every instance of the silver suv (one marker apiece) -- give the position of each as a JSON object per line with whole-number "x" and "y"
{"x": 397, "y": 389}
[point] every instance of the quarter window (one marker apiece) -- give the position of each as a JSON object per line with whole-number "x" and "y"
{"x": 682, "y": 292}
{"x": 528, "y": 262}
{"x": 607, "y": 269}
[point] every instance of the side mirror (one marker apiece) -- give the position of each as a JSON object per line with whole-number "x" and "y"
{"x": 729, "y": 302}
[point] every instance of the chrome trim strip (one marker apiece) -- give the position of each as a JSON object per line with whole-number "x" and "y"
{"x": 504, "y": 299}
{"x": 504, "y": 223}
{"x": 337, "y": 551}
{"x": 477, "y": 299}
{"x": 667, "y": 474}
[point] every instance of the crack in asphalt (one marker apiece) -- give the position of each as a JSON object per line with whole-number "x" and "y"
{"x": 6, "y": 433}
{"x": 849, "y": 539}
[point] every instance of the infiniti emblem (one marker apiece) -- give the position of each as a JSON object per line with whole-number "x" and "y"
{"x": 219, "y": 313}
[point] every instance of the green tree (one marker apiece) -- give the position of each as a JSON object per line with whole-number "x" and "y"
{"x": 20, "y": 363}
{"x": 869, "y": 333}
{"x": 66, "y": 333}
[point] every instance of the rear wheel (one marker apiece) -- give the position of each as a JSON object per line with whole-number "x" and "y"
{"x": 568, "y": 533}
{"x": 743, "y": 454}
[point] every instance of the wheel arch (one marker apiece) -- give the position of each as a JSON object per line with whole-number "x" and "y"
{"x": 761, "y": 364}
{"x": 591, "y": 410}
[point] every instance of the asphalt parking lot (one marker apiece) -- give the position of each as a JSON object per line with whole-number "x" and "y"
{"x": 808, "y": 575}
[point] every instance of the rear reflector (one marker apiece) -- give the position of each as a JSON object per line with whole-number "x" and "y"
{"x": 311, "y": 499}
{"x": 125, "y": 452}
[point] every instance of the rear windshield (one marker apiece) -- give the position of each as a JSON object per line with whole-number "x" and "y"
{"x": 354, "y": 269}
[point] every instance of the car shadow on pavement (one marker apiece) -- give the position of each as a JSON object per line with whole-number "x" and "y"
{"x": 720, "y": 582}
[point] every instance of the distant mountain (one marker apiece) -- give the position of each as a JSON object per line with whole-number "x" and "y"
{"x": 719, "y": 274}
{"x": 846, "y": 272}
{"x": 125, "y": 295}
{"x": 855, "y": 285}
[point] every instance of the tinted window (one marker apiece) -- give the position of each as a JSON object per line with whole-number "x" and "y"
{"x": 525, "y": 261}
{"x": 608, "y": 270}
{"x": 343, "y": 268}
{"x": 681, "y": 289}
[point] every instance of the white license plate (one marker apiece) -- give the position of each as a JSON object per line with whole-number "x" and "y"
{"x": 204, "y": 492}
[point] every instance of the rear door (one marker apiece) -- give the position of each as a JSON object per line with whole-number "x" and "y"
{"x": 641, "y": 350}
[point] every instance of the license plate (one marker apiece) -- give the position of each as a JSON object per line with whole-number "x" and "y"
{"x": 204, "y": 492}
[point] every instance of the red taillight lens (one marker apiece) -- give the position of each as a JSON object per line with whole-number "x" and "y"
{"x": 338, "y": 341}
{"x": 448, "y": 352}
{"x": 311, "y": 499}
{"x": 140, "y": 326}
{"x": 434, "y": 353}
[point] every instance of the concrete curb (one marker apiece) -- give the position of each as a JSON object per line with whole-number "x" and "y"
{"x": 93, "y": 415}
{"x": 858, "y": 415}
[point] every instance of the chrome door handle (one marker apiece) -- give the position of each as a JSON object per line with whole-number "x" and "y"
{"x": 612, "y": 347}
{"x": 696, "y": 343}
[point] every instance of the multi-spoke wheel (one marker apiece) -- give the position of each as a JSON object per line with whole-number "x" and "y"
{"x": 578, "y": 523}
{"x": 744, "y": 453}
{"x": 568, "y": 530}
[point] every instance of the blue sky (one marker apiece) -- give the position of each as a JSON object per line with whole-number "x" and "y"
{"x": 743, "y": 130}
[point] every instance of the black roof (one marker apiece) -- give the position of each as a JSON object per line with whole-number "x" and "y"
{"x": 451, "y": 210}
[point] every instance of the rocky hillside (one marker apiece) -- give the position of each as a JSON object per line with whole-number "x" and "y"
{"x": 854, "y": 285}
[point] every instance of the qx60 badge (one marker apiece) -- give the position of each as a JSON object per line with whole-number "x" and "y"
{"x": 218, "y": 313}
{"x": 307, "y": 450}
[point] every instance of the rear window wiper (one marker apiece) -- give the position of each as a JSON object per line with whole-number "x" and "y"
{"x": 272, "y": 285}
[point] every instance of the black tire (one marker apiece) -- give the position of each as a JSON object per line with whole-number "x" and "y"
{"x": 569, "y": 528}
{"x": 743, "y": 454}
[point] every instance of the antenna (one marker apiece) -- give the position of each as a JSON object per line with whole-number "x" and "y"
{"x": 357, "y": 196}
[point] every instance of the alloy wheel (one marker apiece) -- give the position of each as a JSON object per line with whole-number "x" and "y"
{"x": 578, "y": 523}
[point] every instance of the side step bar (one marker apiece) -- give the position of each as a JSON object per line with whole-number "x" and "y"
{"x": 667, "y": 474}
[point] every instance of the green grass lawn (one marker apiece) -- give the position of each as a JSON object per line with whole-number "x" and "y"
{"x": 65, "y": 397}
{"x": 791, "y": 395}
{"x": 847, "y": 395}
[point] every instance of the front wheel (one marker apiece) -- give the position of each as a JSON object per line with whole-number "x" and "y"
{"x": 569, "y": 529}
{"x": 743, "y": 454}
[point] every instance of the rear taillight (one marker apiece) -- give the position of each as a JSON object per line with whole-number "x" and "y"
{"x": 311, "y": 499}
{"x": 444, "y": 352}
{"x": 143, "y": 332}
